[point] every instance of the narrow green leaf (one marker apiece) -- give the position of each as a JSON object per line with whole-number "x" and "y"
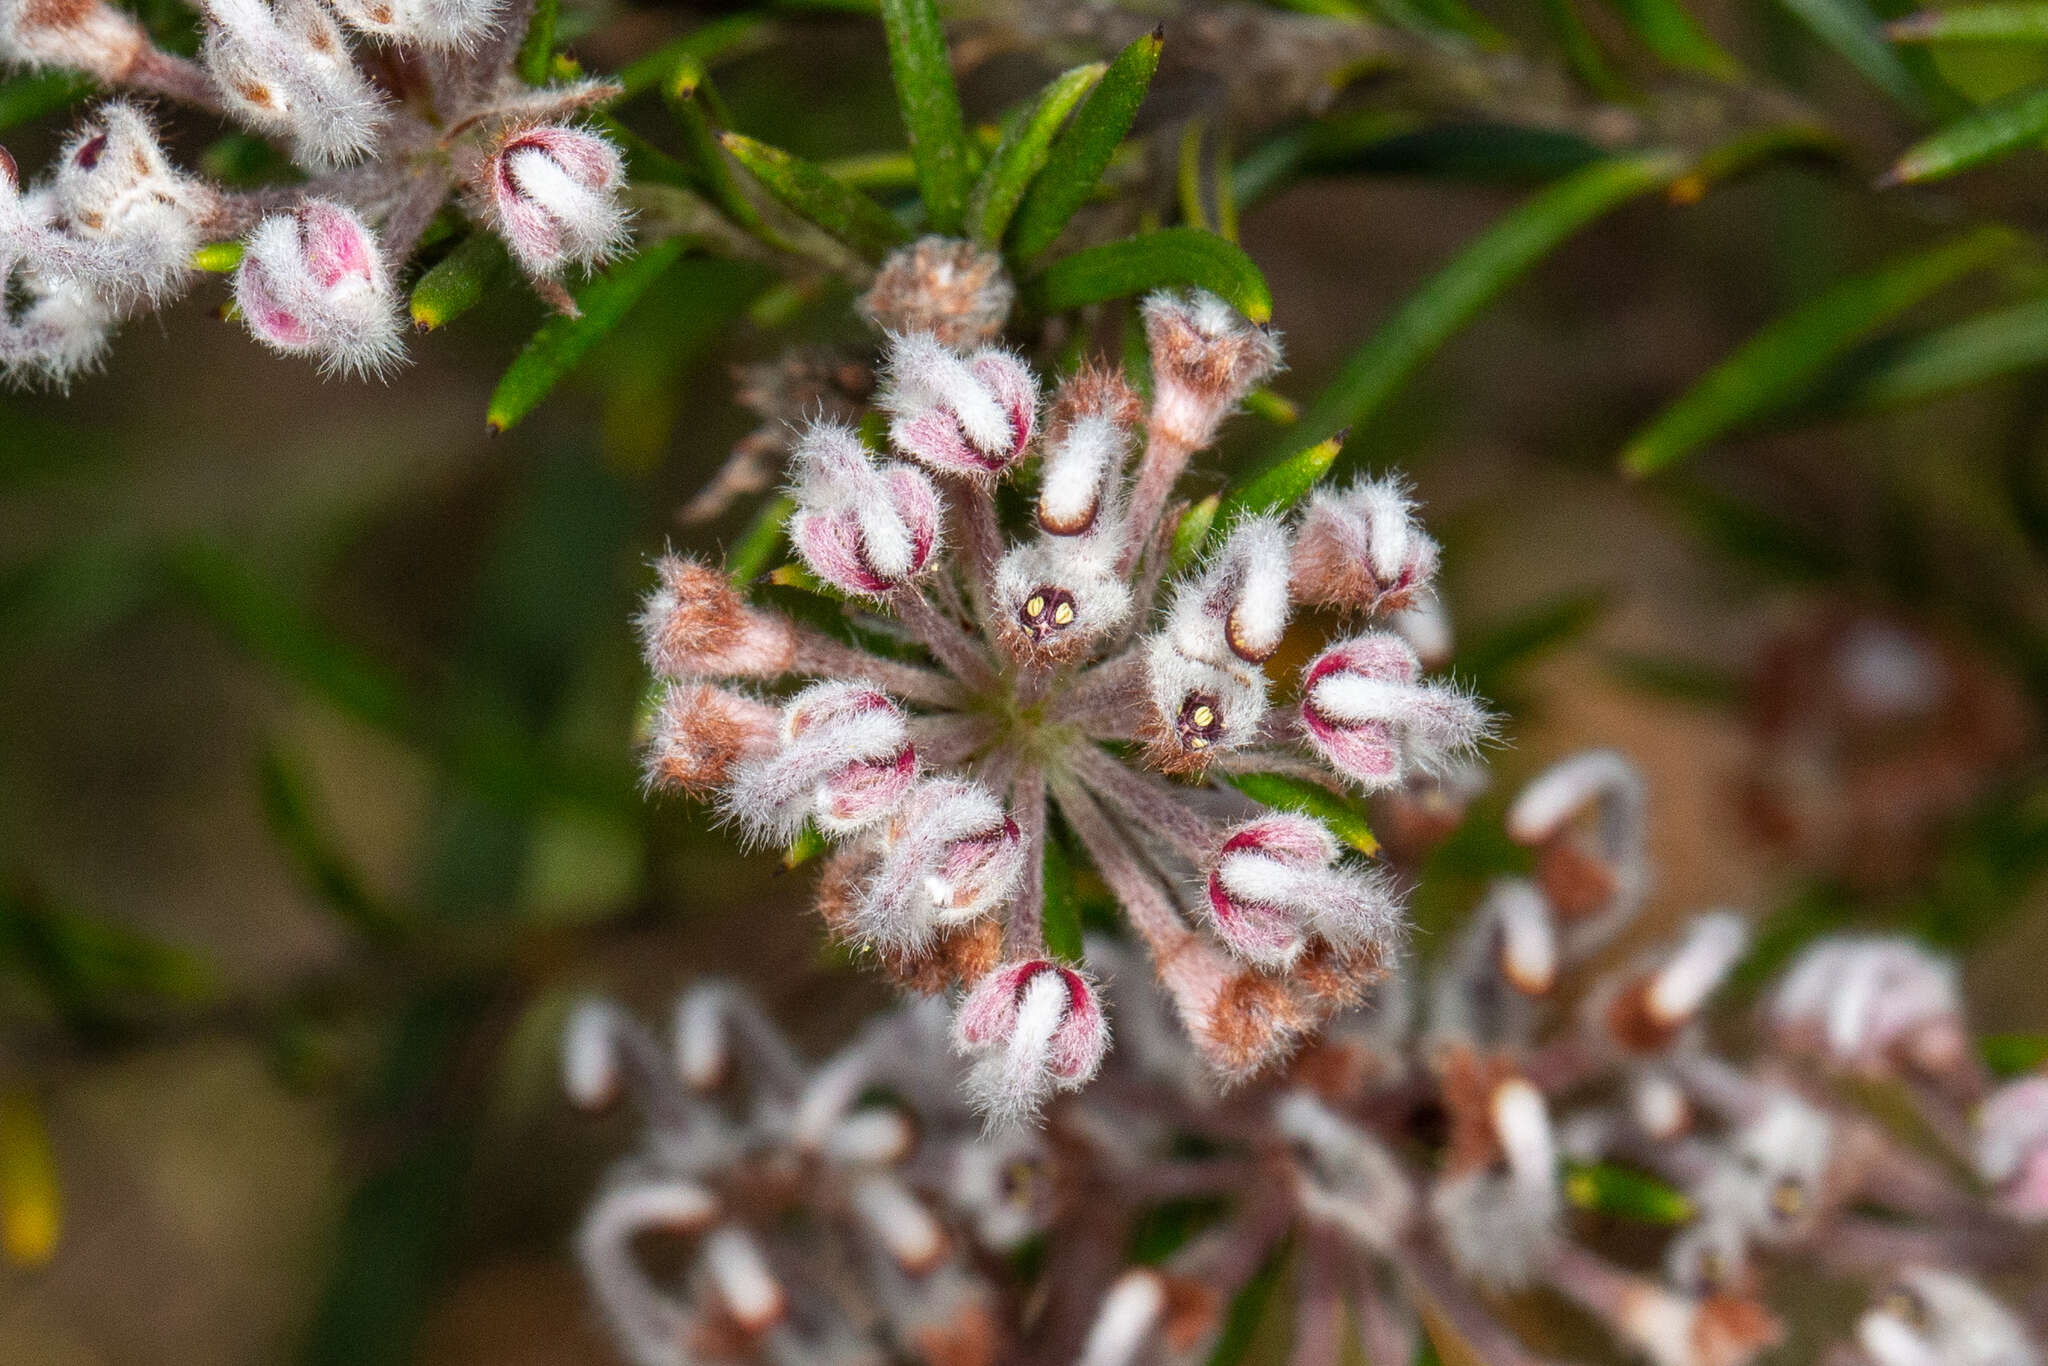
{"x": 733, "y": 36}
{"x": 1155, "y": 260}
{"x": 931, "y": 109}
{"x": 1623, "y": 1193}
{"x": 31, "y": 1211}
{"x": 1995, "y": 23}
{"x": 760, "y": 542}
{"x": 34, "y": 96}
{"x": 1779, "y": 361}
{"x": 808, "y": 844}
{"x": 288, "y": 808}
{"x": 1668, "y": 30}
{"x": 1273, "y": 406}
{"x": 1248, "y": 1311}
{"x": 1851, "y": 29}
{"x": 1082, "y": 152}
{"x": 537, "y": 49}
{"x": 217, "y": 258}
{"x": 1022, "y": 154}
{"x": 455, "y": 284}
{"x": 1192, "y": 533}
{"x": 1345, "y": 817}
{"x": 561, "y": 341}
{"x": 1280, "y": 483}
{"x": 811, "y": 193}
{"x": 1062, "y": 913}
{"x": 1977, "y": 137}
{"x": 1911, "y": 369}
{"x": 1456, "y": 294}
{"x": 1582, "y": 51}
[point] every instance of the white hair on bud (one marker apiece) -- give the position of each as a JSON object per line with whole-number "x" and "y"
{"x": 924, "y": 373}
{"x": 874, "y": 1135}
{"x": 703, "y": 1045}
{"x": 845, "y": 761}
{"x": 552, "y": 192}
{"x": 863, "y": 527}
{"x": 1236, "y": 607}
{"x": 1572, "y": 784}
{"x": 1521, "y": 1119}
{"x": 1426, "y": 626}
{"x": 1658, "y": 1105}
{"x": 1013, "y": 1082}
{"x": 314, "y": 282}
{"x": 590, "y": 1064}
{"x": 134, "y": 217}
{"x": 998, "y": 1181}
{"x": 1036, "y": 580}
{"x": 60, "y": 334}
{"x": 1860, "y": 997}
{"x": 1127, "y": 1320}
{"x": 1937, "y": 1318}
{"x": 1775, "y": 1169}
{"x": 1528, "y": 936}
{"x": 1078, "y": 475}
{"x": 1034, "y": 1028}
{"x": 285, "y": 68}
{"x": 953, "y": 856}
{"x": 94, "y": 37}
{"x": 1712, "y": 946}
{"x": 451, "y": 24}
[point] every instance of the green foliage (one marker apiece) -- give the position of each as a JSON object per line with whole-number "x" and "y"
{"x": 1668, "y": 30}
{"x": 1155, "y": 260}
{"x": 1082, "y": 151}
{"x": 456, "y": 283}
{"x": 1025, "y": 148}
{"x": 1852, "y": 30}
{"x": 1912, "y": 368}
{"x": 1344, "y": 816}
{"x": 1979, "y": 136}
{"x": 1623, "y": 1193}
{"x": 1992, "y": 23}
{"x": 931, "y": 109}
{"x": 537, "y": 49}
{"x": 812, "y": 193}
{"x": 1280, "y": 483}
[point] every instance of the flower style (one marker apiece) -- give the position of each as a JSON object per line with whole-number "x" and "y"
{"x": 982, "y": 696}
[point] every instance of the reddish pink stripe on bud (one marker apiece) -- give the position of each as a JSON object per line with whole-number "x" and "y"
{"x": 951, "y": 855}
{"x": 971, "y": 417}
{"x": 553, "y": 192}
{"x": 1363, "y": 549}
{"x": 1034, "y": 1027}
{"x": 312, "y": 282}
{"x": 1367, "y": 710}
{"x": 846, "y": 760}
{"x": 1277, "y": 882}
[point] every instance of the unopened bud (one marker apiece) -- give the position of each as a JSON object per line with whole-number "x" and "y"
{"x": 1368, "y": 711}
{"x": 864, "y": 528}
{"x": 1528, "y": 939}
{"x": 1002, "y": 1184}
{"x": 943, "y": 286}
{"x": 1088, "y": 438}
{"x": 968, "y": 416}
{"x": 285, "y": 68}
{"x": 695, "y": 624}
{"x": 1649, "y": 1013}
{"x": 1127, "y": 1322}
{"x": 553, "y": 192}
{"x": 900, "y": 1223}
{"x": 846, "y": 761}
{"x": 1205, "y": 358}
{"x": 1937, "y": 1318}
{"x": 590, "y": 1065}
{"x": 1343, "y": 1176}
{"x": 1277, "y": 881}
{"x": 2012, "y": 1147}
{"x": 1776, "y": 1174}
{"x": 61, "y": 332}
{"x": 82, "y": 35}
{"x": 742, "y": 1278}
{"x": 1594, "y": 877}
{"x": 1059, "y": 597}
{"x": 459, "y": 24}
{"x": 313, "y": 282}
{"x": 1871, "y": 1004}
{"x": 872, "y": 1136}
{"x": 1363, "y": 549}
{"x": 115, "y": 191}
{"x": 951, "y": 855}
{"x": 1034, "y": 1028}
{"x": 1236, "y": 607}
{"x": 700, "y": 732}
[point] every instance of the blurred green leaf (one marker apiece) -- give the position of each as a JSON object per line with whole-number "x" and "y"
{"x": 931, "y": 109}
{"x": 1993, "y": 23}
{"x": 1455, "y": 295}
{"x": 31, "y": 1208}
{"x": 1780, "y": 360}
{"x": 1345, "y": 817}
{"x": 761, "y": 542}
{"x": 732, "y": 36}
{"x": 1975, "y": 138}
{"x": 1022, "y": 154}
{"x": 1668, "y": 30}
{"x": 1851, "y": 29}
{"x": 810, "y": 192}
{"x": 288, "y": 808}
{"x": 1489, "y": 657}
{"x": 1062, "y": 912}
{"x": 808, "y": 844}
{"x": 1922, "y": 365}
{"x": 2013, "y": 1055}
{"x": 1582, "y": 51}
{"x": 1156, "y": 260}
{"x": 455, "y": 284}
{"x": 537, "y": 48}
{"x": 696, "y": 109}
{"x": 1082, "y": 152}
{"x": 1675, "y": 678}
{"x": 90, "y": 969}
{"x": 1623, "y": 1193}
{"x": 1248, "y": 1311}
{"x": 39, "y": 94}
{"x": 561, "y": 342}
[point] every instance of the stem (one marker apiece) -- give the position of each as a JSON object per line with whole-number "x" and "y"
{"x": 1101, "y": 695}
{"x": 1147, "y": 800}
{"x": 974, "y": 513}
{"x": 1144, "y": 901}
{"x": 174, "y": 78}
{"x": 951, "y": 739}
{"x": 821, "y": 656}
{"x": 1024, "y": 931}
{"x": 951, "y": 646}
{"x": 1158, "y": 471}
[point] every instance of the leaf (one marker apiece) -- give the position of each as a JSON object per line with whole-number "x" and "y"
{"x": 1995, "y": 23}
{"x": 1623, "y": 1193}
{"x": 1023, "y": 152}
{"x": 808, "y": 844}
{"x": 810, "y": 192}
{"x": 1248, "y": 1310}
{"x": 1923, "y": 365}
{"x": 1082, "y": 152}
{"x": 1667, "y": 30}
{"x": 760, "y": 542}
{"x": 1582, "y": 51}
{"x": 554, "y": 350}
{"x": 697, "y": 111}
{"x": 1155, "y": 260}
{"x": 1492, "y": 656}
{"x": 217, "y": 258}
{"x": 930, "y": 107}
{"x": 31, "y": 1210}
{"x": 1849, "y": 27}
{"x": 1345, "y": 817}
{"x": 1777, "y": 362}
{"x": 1454, "y": 295}
{"x": 455, "y": 284}
{"x": 2013, "y": 1055}
{"x": 1191, "y": 533}
{"x": 1977, "y": 137}
{"x": 92, "y": 970}
{"x": 23, "y": 98}
{"x": 733, "y": 36}
{"x": 289, "y": 810}
{"x": 1062, "y": 910}
{"x": 537, "y": 49}
{"x": 1279, "y": 484}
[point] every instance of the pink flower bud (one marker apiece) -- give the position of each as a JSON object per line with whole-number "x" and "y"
{"x": 864, "y": 528}
{"x": 285, "y": 68}
{"x": 1363, "y": 549}
{"x": 1276, "y": 881}
{"x": 2012, "y": 1147}
{"x": 459, "y": 24}
{"x": 972, "y": 417}
{"x": 951, "y": 855}
{"x": 554, "y": 197}
{"x": 1205, "y": 357}
{"x": 1368, "y": 712}
{"x": 941, "y": 285}
{"x": 846, "y": 760}
{"x": 313, "y": 282}
{"x": 696, "y": 625}
{"x": 1088, "y": 438}
{"x": 700, "y": 732}
{"x": 1035, "y": 1028}
{"x": 1872, "y": 1004}
{"x": 82, "y": 35}
{"x": 135, "y": 216}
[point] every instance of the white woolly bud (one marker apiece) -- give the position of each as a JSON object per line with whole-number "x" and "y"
{"x": 846, "y": 760}
{"x": 1573, "y": 784}
{"x": 61, "y": 332}
{"x": 872, "y": 1136}
{"x": 968, "y": 416}
{"x": 694, "y": 624}
{"x": 590, "y": 1064}
{"x": 1364, "y": 549}
{"x": 285, "y": 68}
{"x": 1343, "y": 1176}
{"x": 899, "y": 1222}
{"x": 1937, "y": 1318}
{"x": 703, "y": 1049}
{"x": 1712, "y": 946}
{"x": 742, "y": 1278}
{"x": 1500, "y": 1222}
{"x": 1521, "y": 1120}
{"x": 1528, "y": 938}
{"x": 2012, "y": 1147}
{"x": 1205, "y": 358}
{"x": 1595, "y": 879}
{"x": 1077, "y": 479}
{"x": 553, "y": 193}
{"x": 91, "y": 36}
{"x": 864, "y": 528}
{"x": 135, "y": 217}
{"x": 951, "y": 855}
{"x": 1368, "y": 711}
{"x": 1658, "y": 1106}
{"x": 1059, "y": 596}
{"x": 1034, "y": 1028}
{"x": 458, "y": 24}
{"x": 313, "y": 282}
{"x": 1276, "y": 881}
{"x": 1870, "y": 1002}
{"x": 1127, "y": 1321}
{"x": 1236, "y": 608}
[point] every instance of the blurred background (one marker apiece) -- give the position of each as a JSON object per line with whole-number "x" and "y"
{"x": 318, "y": 792}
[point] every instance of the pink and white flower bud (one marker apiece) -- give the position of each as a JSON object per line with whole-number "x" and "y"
{"x": 60, "y": 333}
{"x": 696, "y": 625}
{"x": 137, "y": 216}
{"x": 1772, "y": 1180}
{"x": 971, "y": 417}
{"x": 864, "y": 528}
{"x": 700, "y": 732}
{"x": 457, "y": 24}
{"x": 899, "y": 1222}
{"x": 1366, "y": 708}
{"x": 83, "y": 35}
{"x": 1205, "y": 358}
{"x": 1500, "y": 1222}
{"x": 1276, "y": 882}
{"x": 950, "y": 856}
{"x": 1034, "y": 1028}
{"x": 1872, "y": 1003}
{"x": 1364, "y": 549}
{"x": 2012, "y": 1147}
{"x": 553, "y": 192}
{"x": 1647, "y": 1014}
{"x": 1199, "y": 709}
{"x": 740, "y": 1276}
{"x": 846, "y": 761}
{"x": 313, "y": 282}
{"x": 950, "y": 288}
{"x": 1937, "y": 1318}
{"x": 285, "y": 68}
{"x": 1236, "y": 607}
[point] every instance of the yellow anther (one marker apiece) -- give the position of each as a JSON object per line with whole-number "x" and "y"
{"x": 1035, "y": 606}
{"x": 1204, "y": 716}
{"x": 1064, "y": 614}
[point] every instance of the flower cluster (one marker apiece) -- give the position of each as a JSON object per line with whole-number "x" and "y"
{"x": 396, "y": 110}
{"x": 1528, "y": 1122}
{"x": 950, "y": 693}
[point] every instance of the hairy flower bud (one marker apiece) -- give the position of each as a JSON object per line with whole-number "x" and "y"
{"x": 2012, "y": 1147}
{"x": 553, "y": 192}
{"x": 846, "y": 761}
{"x": 1034, "y": 1028}
{"x": 60, "y": 332}
{"x": 459, "y": 24}
{"x": 590, "y": 1065}
{"x": 1363, "y": 549}
{"x": 944, "y": 286}
{"x": 1205, "y": 357}
{"x": 1236, "y": 607}
{"x": 1127, "y": 1321}
{"x": 285, "y": 68}
{"x": 972, "y": 417}
{"x": 1499, "y": 1203}
{"x": 1650, "y": 1011}
{"x": 1367, "y": 710}
{"x": 1276, "y": 881}
{"x": 951, "y": 854}
{"x": 81, "y": 35}
{"x": 1199, "y": 709}
{"x": 863, "y": 528}
{"x": 1871, "y": 1003}
{"x": 1088, "y": 439}
{"x": 313, "y": 282}
{"x": 700, "y": 732}
{"x": 1775, "y": 1173}
{"x": 1585, "y": 816}
{"x": 1937, "y": 1318}
{"x": 117, "y": 194}
{"x": 1343, "y": 1176}
{"x": 696, "y": 625}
